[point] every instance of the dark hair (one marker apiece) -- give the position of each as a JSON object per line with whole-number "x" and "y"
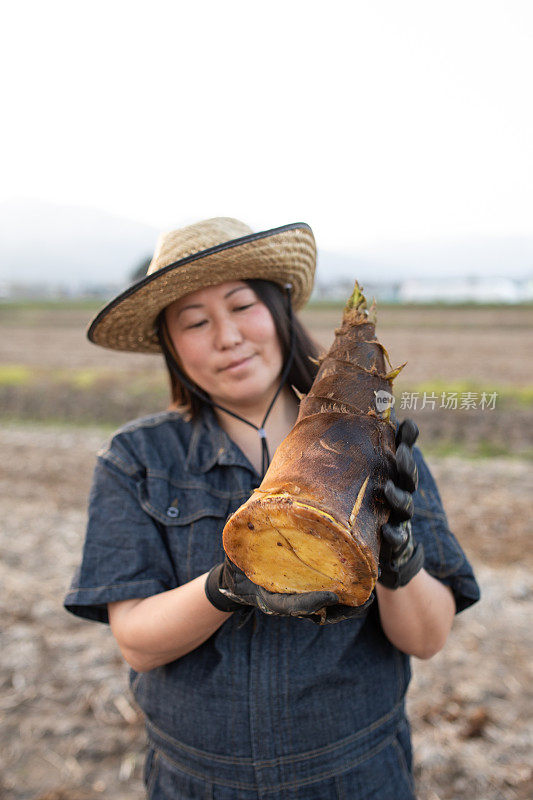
{"x": 303, "y": 368}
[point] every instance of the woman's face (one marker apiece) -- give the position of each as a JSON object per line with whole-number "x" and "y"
{"x": 227, "y": 343}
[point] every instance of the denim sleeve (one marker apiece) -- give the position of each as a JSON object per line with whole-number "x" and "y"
{"x": 444, "y": 557}
{"x": 125, "y": 554}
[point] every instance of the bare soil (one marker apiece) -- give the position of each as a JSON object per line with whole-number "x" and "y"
{"x": 480, "y": 345}
{"x": 486, "y": 349}
{"x": 70, "y": 730}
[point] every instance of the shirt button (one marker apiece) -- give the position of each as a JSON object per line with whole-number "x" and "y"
{"x": 172, "y": 511}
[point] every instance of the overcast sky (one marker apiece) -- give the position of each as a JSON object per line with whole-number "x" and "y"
{"x": 376, "y": 122}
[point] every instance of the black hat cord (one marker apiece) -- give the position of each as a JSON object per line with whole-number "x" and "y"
{"x": 171, "y": 363}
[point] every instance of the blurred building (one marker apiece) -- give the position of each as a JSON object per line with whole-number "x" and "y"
{"x": 451, "y": 290}
{"x": 473, "y": 289}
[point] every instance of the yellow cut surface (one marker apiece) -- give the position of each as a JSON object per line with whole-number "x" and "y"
{"x": 289, "y": 546}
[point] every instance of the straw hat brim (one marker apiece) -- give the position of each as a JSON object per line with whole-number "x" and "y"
{"x": 283, "y": 255}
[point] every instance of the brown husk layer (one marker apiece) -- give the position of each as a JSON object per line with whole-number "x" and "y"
{"x": 335, "y": 463}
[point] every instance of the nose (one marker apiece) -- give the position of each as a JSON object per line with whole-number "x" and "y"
{"x": 227, "y": 333}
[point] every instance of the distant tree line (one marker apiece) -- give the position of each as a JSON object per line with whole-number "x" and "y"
{"x": 140, "y": 270}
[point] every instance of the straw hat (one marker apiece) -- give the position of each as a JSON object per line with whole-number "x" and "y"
{"x": 205, "y": 254}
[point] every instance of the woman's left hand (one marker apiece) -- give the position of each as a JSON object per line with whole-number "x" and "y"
{"x": 400, "y": 556}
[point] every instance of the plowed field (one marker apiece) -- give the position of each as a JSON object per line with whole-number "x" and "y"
{"x": 69, "y": 729}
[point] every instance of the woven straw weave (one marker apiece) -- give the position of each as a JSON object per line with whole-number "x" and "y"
{"x": 185, "y": 242}
{"x": 185, "y": 261}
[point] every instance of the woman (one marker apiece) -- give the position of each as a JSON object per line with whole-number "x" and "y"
{"x": 244, "y": 695}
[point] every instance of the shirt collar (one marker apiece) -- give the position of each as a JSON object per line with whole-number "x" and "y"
{"x": 211, "y": 445}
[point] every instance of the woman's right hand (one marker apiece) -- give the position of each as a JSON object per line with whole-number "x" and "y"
{"x": 228, "y": 588}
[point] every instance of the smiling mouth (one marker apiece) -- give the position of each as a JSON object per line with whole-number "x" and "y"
{"x": 237, "y": 363}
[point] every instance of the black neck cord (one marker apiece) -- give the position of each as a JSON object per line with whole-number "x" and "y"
{"x": 175, "y": 369}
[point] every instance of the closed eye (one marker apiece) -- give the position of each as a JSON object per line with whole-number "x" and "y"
{"x": 204, "y": 321}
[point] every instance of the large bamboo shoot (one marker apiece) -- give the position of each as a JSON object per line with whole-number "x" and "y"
{"x": 314, "y": 521}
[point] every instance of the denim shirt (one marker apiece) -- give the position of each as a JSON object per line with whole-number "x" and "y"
{"x": 266, "y": 701}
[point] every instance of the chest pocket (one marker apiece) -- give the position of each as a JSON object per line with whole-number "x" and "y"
{"x": 190, "y": 517}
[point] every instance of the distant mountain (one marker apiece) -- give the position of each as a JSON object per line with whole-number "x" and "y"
{"x": 73, "y": 246}
{"x": 77, "y": 247}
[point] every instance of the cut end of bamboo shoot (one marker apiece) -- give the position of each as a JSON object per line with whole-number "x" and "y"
{"x": 294, "y": 547}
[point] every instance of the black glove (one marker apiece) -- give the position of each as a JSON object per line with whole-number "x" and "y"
{"x": 400, "y": 556}
{"x": 339, "y": 612}
{"x": 228, "y": 589}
